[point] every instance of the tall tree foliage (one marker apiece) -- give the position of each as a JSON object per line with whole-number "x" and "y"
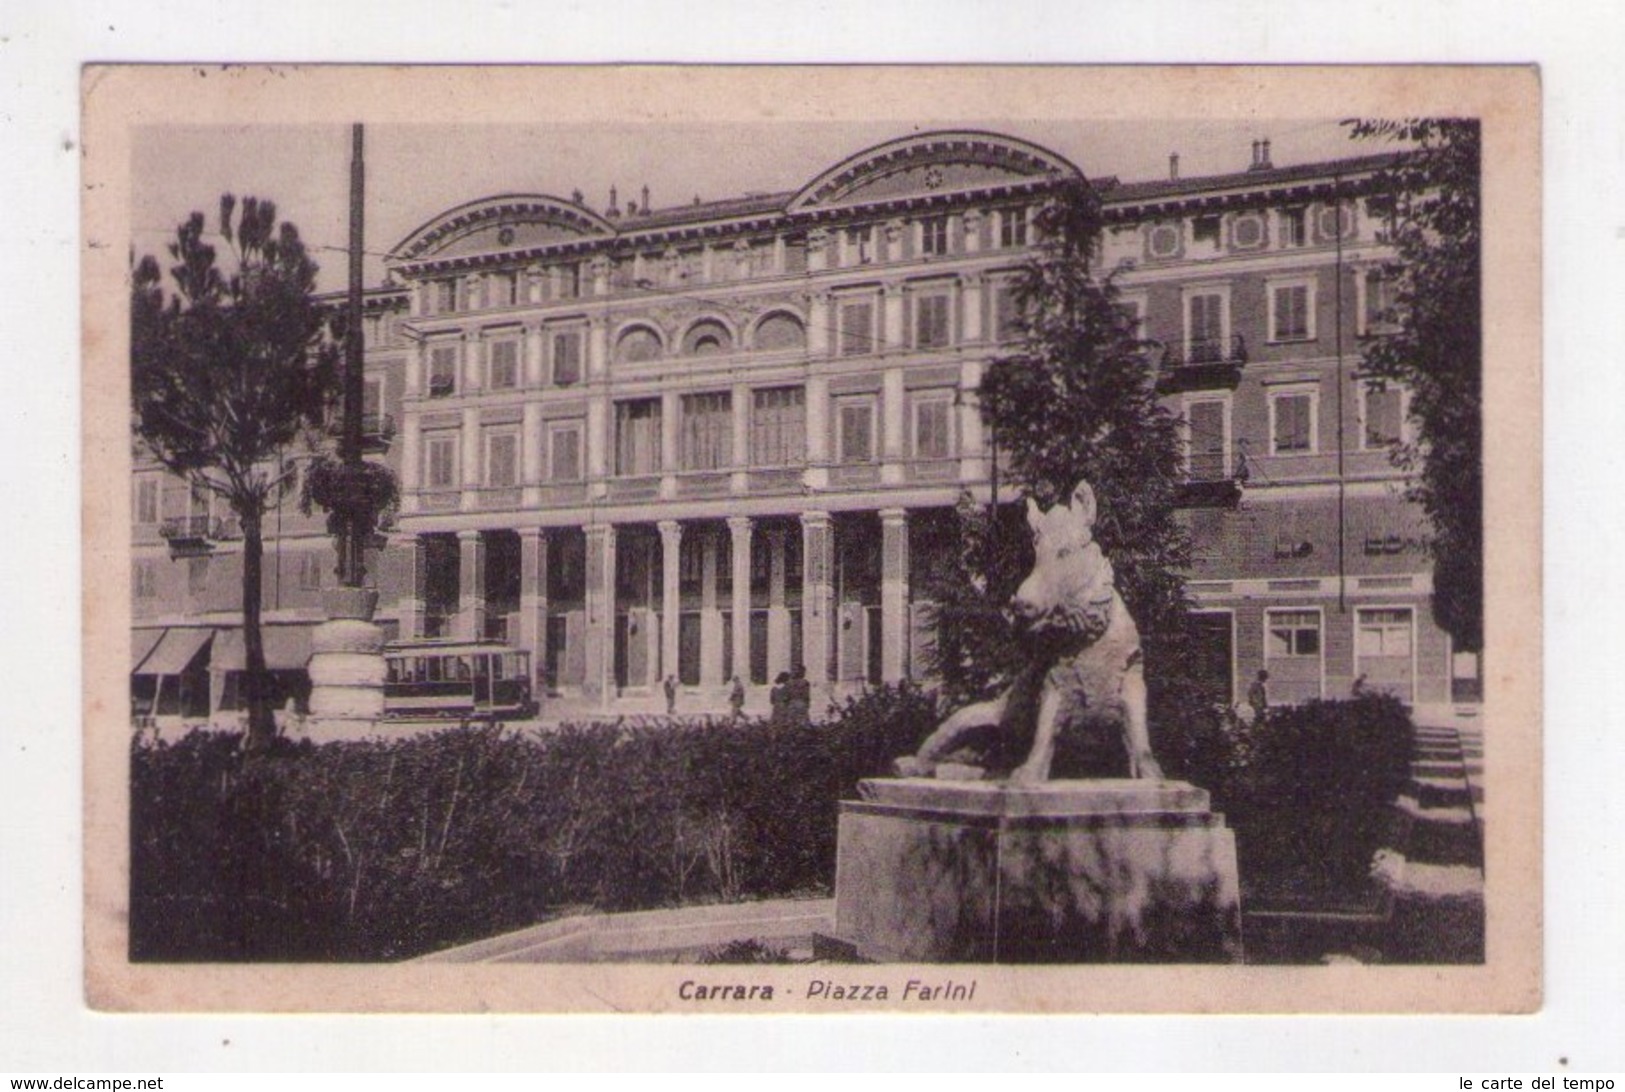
{"x": 1076, "y": 401}
{"x": 1436, "y": 351}
{"x": 228, "y": 367}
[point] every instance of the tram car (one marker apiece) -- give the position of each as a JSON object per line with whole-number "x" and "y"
{"x": 461, "y": 680}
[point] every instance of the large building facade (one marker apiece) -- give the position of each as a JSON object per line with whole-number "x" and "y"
{"x": 720, "y": 439}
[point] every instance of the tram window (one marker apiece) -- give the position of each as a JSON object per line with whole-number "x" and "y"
{"x": 498, "y": 667}
{"x": 482, "y": 666}
{"x": 462, "y": 668}
{"x": 393, "y": 671}
{"x": 434, "y": 669}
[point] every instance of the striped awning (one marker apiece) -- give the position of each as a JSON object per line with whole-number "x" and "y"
{"x": 287, "y": 648}
{"x": 142, "y": 642}
{"x": 175, "y": 651}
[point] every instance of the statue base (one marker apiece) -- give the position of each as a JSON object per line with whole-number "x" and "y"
{"x": 1063, "y": 872}
{"x": 346, "y": 667}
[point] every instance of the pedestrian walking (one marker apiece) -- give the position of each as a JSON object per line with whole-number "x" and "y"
{"x": 671, "y": 695}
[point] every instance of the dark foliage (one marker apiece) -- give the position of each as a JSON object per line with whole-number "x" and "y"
{"x": 1436, "y": 351}
{"x": 384, "y": 850}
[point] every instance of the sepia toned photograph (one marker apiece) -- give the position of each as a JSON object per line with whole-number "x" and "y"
{"x": 812, "y": 540}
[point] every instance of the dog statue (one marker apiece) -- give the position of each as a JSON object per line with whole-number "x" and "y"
{"x": 1089, "y": 670}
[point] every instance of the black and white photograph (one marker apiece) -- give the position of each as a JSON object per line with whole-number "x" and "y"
{"x": 814, "y": 540}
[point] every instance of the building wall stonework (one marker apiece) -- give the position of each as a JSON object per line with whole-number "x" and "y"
{"x": 794, "y": 375}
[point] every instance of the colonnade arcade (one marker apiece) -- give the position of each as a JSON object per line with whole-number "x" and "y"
{"x": 611, "y": 609}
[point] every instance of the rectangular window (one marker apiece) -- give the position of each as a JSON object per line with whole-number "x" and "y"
{"x": 1207, "y": 451}
{"x": 1008, "y": 324}
{"x": 311, "y": 564}
{"x": 146, "y": 579}
{"x": 934, "y": 235}
{"x": 933, "y": 425}
{"x": 566, "y": 357}
{"x": 1204, "y": 329}
{"x": 1379, "y": 315}
{"x": 444, "y": 295}
{"x": 778, "y": 426}
{"x": 503, "y": 365}
{"x": 569, "y": 281}
{"x": 706, "y": 440}
{"x": 1384, "y": 632}
{"x": 1205, "y": 229}
{"x": 146, "y": 500}
{"x": 931, "y": 321}
{"x": 855, "y": 419}
{"x": 1290, "y": 318}
{"x": 440, "y": 462}
{"x": 1292, "y": 423}
{"x": 1294, "y": 227}
{"x": 503, "y": 289}
{"x": 637, "y": 437}
{"x": 442, "y": 370}
{"x": 857, "y": 328}
{"x": 564, "y": 451}
{"x": 1384, "y": 417}
{"x": 1293, "y": 633}
{"x": 1013, "y": 228}
{"x": 859, "y": 246}
{"x": 501, "y": 459}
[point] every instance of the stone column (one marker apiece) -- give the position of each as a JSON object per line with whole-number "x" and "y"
{"x": 411, "y": 460}
{"x": 710, "y": 613}
{"x": 470, "y": 459}
{"x": 818, "y": 250}
{"x": 817, "y": 594}
{"x": 970, "y": 308}
{"x": 894, "y": 433}
{"x": 893, "y": 335}
{"x": 473, "y": 359}
{"x": 973, "y": 231}
{"x": 671, "y": 559}
{"x": 894, "y": 628}
{"x": 530, "y": 455}
{"x": 535, "y": 373}
{"x": 818, "y": 325}
{"x": 739, "y": 531}
{"x": 417, "y": 582}
{"x": 670, "y": 420}
{"x": 598, "y": 439}
{"x": 533, "y": 598}
{"x": 597, "y": 348}
{"x": 817, "y": 410}
{"x": 739, "y": 401}
{"x": 971, "y": 467}
{"x": 469, "y": 625}
{"x": 599, "y": 641}
{"x": 414, "y": 370}
{"x": 778, "y": 614}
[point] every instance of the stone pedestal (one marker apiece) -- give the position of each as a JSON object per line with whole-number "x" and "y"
{"x": 1066, "y": 872}
{"x": 346, "y": 667}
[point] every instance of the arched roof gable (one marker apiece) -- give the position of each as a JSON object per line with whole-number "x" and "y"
{"x": 936, "y": 162}
{"x": 520, "y": 221}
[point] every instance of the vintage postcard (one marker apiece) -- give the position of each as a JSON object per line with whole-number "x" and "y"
{"x": 812, "y": 540}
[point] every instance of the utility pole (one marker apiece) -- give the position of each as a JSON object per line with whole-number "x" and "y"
{"x": 353, "y": 535}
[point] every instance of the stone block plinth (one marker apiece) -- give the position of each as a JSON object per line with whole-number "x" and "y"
{"x": 1069, "y": 871}
{"x": 346, "y": 668}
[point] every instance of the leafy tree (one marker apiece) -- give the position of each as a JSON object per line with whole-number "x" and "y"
{"x": 1076, "y": 401}
{"x": 229, "y": 367}
{"x": 1436, "y": 352}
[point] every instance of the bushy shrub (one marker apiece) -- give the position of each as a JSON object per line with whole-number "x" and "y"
{"x": 382, "y": 850}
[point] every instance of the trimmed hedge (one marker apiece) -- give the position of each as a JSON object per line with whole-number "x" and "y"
{"x": 385, "y": 850}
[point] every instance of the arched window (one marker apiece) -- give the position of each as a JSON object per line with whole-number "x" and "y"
{"x": 780, "y": 331}
{"x": 637, "y": 345}
{"x": 707, "y": 336}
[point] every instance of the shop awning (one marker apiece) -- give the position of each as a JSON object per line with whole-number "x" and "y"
{"x": 287, "y": 648}
{"x": 142, "y": 642}
{"x": 175, "y": 651}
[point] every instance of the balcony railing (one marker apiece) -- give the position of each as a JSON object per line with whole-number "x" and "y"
{"x": 1202, "y": 363}
{"x": 189, "y": 529}
{"x": 1213, "y": 480}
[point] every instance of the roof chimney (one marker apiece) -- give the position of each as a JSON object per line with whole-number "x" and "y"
{"x": 1173, "y": 167}
{"x": 1264, "y": 163}
{"x": 614, "y": 209}
{"x": 645, "y": 200}
{"x": 1261, "y": 156}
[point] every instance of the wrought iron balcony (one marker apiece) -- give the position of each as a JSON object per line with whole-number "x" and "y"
{"x": 190, "y": 533}
{"x": 1202, "y": 364}
{"x": 1213, "y": 481}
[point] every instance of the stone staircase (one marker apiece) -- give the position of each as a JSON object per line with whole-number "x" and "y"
{"x": 1434, "y": 874}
